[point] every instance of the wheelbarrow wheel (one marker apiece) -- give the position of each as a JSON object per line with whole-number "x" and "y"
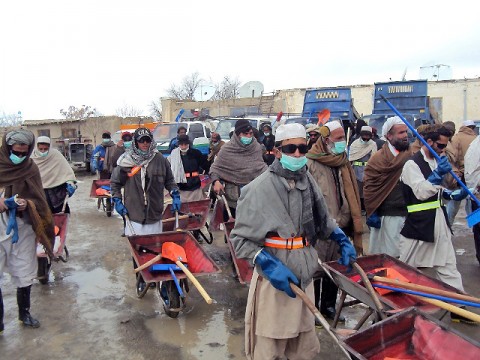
{"x": 141, "y": 287}
{"x": 108, "y": 207}
{"x": 170, "y": 297}
{"x": 43, "y": 271}
{"x": 99, "y": 203}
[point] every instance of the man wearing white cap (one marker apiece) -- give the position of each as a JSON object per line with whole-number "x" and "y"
{"x": 279, "y": 239}
{"x": 459, "y": 145}
{"x": 58, "y": 178}
{"x": 382, "y": 190}
{"x": 328, "y": 163}
{"x": 360, "y": 152}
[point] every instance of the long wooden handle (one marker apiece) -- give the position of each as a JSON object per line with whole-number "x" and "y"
{"x": 426, "y": 289}
{"x": 371, "y": 290}
{"x": 127, "y": 220}
{"x": 317, "y": 314}
{"x": 195, "y": 282}
{"x": 148, "y": 263}
{"x": 230, "y": 217}
{"x": 454, "y": 309}
{"x": 173, "y": 218}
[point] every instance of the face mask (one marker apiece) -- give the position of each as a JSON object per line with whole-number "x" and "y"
{"x": 339, "y": 147}
{"x": 17, "y": 159}
{"x": 43, "y": 154}
{"x": 215, "y": 143}
{"x": 105, "y": 141}
{"x": 184, "y": 151}
{"x": 267, "y": 133}
{"x": 293, "y": 163}
{"x": 363, "y": 141}
{"x": 127, "y": 144}
{"x": 246, "y": 140}
{"x": 143, "y": 152}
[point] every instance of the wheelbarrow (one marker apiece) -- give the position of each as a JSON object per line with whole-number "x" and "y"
{"x": 104, "y": 197}
{"x": 242, "y": 267}
{"x": 157, "y": 276}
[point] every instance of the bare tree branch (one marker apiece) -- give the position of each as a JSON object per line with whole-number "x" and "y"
{"x": 128, "y": 111}
{"x": 227, "y": 88}
{"x": 156, "y": 110}
{"x": 186, "y": 89}
{"x": 7, "y": 120}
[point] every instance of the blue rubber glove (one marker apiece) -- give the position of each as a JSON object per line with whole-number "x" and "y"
{"x": 12, "y": 218}
{"x": 71, "y": 189}
{"x": 443, "y": 168}
{"x": 374, "y": 221}
{"x": 346, "y": 247}
{"x": 457, "y": 195}
{"x": 94, "y": 166}
{"x": 119, "y": 207}
{"x": 276, "y": 272}
{"x": 176, "y": 203}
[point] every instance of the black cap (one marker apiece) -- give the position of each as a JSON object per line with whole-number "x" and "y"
{"x": 106, "y": 135}
{"x": 183, "y": 139}
{"x": 142, "y": 132}
{"x": 242, "y": 126}
{"x": 126, "y": 136}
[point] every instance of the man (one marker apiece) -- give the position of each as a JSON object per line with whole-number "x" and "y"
{"x": 426, "y": 236}
{"x": 216, "y": 144}
{"x": 360, "y": 152}
{"x": 329, "y": 166}
{"x": 238, "y": 162}
{"x": 144, "y": 173}
{"x": 460, "y": 144}
{"x": 24, "y": 217}
{"x": 123, "y": 144}
{"x": 280, "y": 216}
{"x": 313, "y": 132}
{"x": 174, "y": 142}
{"x": 268, "y": 140}
{"x": 58, "y": 178}
{"x": 472, "y": 178}
{"x": 382, "y": 190}
{"x": 101, "y": 155}
{"x": 187, "y": 164}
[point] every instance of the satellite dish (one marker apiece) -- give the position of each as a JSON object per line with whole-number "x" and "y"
{"x": 251, "y": 89}
{"x": 204, "y": 91}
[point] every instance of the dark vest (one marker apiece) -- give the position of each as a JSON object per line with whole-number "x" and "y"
{"x": 420, "y": 225}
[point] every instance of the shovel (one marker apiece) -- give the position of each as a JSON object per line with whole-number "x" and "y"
{"x": 217, "y": 215}
{"x": 176, "y": 253}
{"x": 474, "y": 217}
{"x": 230, "y": 217}
{"x": 152, "y": 261}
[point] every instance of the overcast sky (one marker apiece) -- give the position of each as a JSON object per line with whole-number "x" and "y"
{"x": 112, "y": 53}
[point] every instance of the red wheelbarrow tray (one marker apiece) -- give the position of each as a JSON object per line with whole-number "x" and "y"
{"x": 411, "y": 334}
{"x": 200, "y": 208}
{"x": 97, "y": 184}
{"x": 242, "y": 266}
{"x": 199, "y": 263}
{"x": 60, "y": 220}
{"x": 391, "y": 300}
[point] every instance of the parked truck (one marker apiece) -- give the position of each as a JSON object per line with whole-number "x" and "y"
{"x": 409, "y": 97}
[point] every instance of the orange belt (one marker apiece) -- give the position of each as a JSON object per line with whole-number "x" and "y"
{"x": 282, "y": 243}
{"x": 192, "y": 174}
{"x": 134, "y": 170}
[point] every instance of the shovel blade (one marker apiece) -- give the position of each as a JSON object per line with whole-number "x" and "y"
{"x": 164, "y": 267}
{"x": 473, "y": 218}
{"x": 174, "y": 252}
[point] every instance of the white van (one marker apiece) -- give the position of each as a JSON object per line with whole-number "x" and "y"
{"x": 225, "y": 126}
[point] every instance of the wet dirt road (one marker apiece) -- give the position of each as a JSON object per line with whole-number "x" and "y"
{"x": 89, "y": 309}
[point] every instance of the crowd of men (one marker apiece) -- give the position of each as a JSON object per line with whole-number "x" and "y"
{"x": 299, "y": 196}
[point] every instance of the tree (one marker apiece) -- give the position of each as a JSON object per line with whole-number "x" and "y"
{"x": 186, "y": 89}
{"x": 8, "y": 120}
{"x": 74, "y": 113}
{"x": 128, "y": 111}
{"x": 227, "y": 89}
{"x": 156, "y": 110}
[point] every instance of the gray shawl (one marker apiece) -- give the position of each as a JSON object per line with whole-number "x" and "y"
{"x": 238, "y": 163}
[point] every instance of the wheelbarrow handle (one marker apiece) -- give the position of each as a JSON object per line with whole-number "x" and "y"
{"x": 129, "y": 223}
{"x": 148, "y": 263}
{"x": 195, "y": 282}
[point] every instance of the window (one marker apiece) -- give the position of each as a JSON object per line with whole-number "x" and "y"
{"x": 195, "y": 131}
{"x": 44, "y": 132}
{"x": 69, "y": 133}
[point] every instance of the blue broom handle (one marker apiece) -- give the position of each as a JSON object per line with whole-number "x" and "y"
{"x": 412, "y": 129}
{"x": 431, "y": 296}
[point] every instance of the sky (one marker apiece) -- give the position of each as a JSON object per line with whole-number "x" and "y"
{"x": 113, "y": 54}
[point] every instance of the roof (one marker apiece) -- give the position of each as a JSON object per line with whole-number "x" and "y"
{"x": 48, "y": 121}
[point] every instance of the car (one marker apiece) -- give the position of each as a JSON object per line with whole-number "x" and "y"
{"x": 227, "y": 125}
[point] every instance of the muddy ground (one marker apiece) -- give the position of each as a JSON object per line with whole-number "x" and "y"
{"x": 89, "y": 309}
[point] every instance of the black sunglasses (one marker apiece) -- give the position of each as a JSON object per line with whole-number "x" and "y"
{"x": 291, "y": 148}
{"x": 144, "y": 140}
{"x": 441, "y": 146}
{"x": 20, "y": 153}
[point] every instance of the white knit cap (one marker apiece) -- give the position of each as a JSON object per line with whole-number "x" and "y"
{"x": 333, "y": 125}
{"x": 391, "y": 121}
{"x": 468, "y": 123}
{"x": 366, "y": 128}
{"x": 43, "y": 140}
{"x": 290, "y": 131}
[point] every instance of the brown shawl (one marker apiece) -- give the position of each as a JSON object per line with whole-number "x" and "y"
{"x": 350, "y": 187}
{"x": 381, "y": 175}
{"x": 24, "y": 179}
{"x": 238, "y": 163}
{"x": 214, "y": 150}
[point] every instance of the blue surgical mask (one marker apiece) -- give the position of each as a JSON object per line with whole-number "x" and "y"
{"x": 363, "y": 141}
{"x": 266, "y": 133}
{"x": 246, "y": 140}
{"x": 339, "y": 147}
{"x": 105, "y": 141}
{"x": 17, "y": 159}
{"x": 127, "y": 144}
{"x": 43, "y": 154}
{"x": 293, "y": 163}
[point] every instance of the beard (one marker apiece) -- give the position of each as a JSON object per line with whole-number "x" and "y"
{"x": 400, "y": 144}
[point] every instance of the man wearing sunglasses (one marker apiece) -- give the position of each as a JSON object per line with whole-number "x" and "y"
{"x": 426, "y": 237}
{"x": 101, "y": 156}
{"x": 19, "y": 221}
{"x": 280, "y": 216}
{"x": 328, "y": 163}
